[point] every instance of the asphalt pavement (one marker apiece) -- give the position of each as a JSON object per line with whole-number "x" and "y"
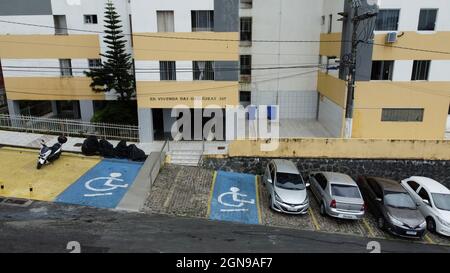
{"x": 49, "y": 227}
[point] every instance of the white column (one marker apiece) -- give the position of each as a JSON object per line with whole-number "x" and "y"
{"x": 13, "y": 108}
{"x": 86, "y": 110}
{"x": 54, "y": 107}
{"x": 146, "y": 133}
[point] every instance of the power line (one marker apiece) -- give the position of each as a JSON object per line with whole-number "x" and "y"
{"x": 408, "y": 48}
{"x": 171, "y": 37}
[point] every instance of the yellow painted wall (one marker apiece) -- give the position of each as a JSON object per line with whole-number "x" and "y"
{"x": 370, "y": 97}
{"x": 167, "y": 94}
{"x": 221, "y": 46}
{"x": 345, "y": 148}
{"x": 333, "y": 88}
{"x": 50, "y": 88}
{"x": 438, "y": 41}
{"x": 49, "y": 46}
{"x": 329, "y": 46}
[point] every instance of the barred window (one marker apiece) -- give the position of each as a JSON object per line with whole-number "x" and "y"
{"x": 427, "y": 19}
{"x": 402, "y": 114}
{"x": 203, "y": 70}
{"x": 387, "y": 20}
{"x": 246, "y": 29}
{"x": 202, "y": 20}
{"x": 382, "y": 70}
{"x": 421, "y": 70}
{"x": 65, "y": 66}
{"x": 167, "y": 71}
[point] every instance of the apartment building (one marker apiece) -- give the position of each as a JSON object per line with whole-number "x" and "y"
{"x": 402, "y": 81}
{"x": 45, "y": 53}
{"x": 212, "y": 53}
{"x": 193, "y": 46}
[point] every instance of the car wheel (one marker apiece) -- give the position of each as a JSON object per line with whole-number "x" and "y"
{"x": 380, "y": 222}
{"x": 322, "y": 209}
{"x": 431, "y": 225}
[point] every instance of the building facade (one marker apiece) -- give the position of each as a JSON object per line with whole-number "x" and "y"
{"x": 211, "y": 53}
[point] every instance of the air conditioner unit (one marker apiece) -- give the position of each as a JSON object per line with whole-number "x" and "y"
{"x": 391, "y": 37}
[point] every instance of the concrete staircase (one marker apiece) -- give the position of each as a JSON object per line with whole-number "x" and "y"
{"x": 185, "y": 157}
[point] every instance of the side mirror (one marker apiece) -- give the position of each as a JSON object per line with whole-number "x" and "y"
{"x": 269, "y": 180}
{"x": 426, "y": 202}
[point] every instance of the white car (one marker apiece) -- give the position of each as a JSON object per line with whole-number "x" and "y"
{"x": 433, "y": 199}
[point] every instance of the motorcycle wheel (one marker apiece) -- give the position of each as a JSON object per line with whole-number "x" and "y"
{"x": 39, "y": 165}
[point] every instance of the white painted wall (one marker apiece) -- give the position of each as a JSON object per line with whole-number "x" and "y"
{"x": 440, "y": 70}
{"x": 17, "y": 29}
{"x": 145, "y": 19}
{"x": 330, "y": 116}
{"x": 402, "y": 70}
{"x": 332, "y": 7}
{"x": 40, "y": 67}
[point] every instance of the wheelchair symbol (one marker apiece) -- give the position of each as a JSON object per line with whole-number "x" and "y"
{"x": 109, "y": 186}
{"x": 236, "y": 197}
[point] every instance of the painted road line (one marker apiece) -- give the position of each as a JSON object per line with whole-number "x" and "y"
{"x": 18, "y": 174}
{"x": 257, "y": 178}
{"x": 368, "y": 228}
{"x": 234, "y": 198}
{"x": 211, "y": 193}
{"x": 102, "y": 186}
{"x": 428, "y": 239}
{"x": 314, "y": 219}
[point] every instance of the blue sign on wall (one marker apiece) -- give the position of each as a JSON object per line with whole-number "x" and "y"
{"x": 102, "y": 186}
{"x": 234, "y": 198}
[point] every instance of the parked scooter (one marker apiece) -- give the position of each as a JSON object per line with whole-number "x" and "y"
{"x": 50, "y": 154}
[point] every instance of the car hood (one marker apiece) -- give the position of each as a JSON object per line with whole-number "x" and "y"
{"x": 291, "y": 196}
{"x": 411, "y": 217}
{"x": 445, "y": 214}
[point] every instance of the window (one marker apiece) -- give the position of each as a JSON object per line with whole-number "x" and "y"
{"x": 95, "y": 63}
{"x": 90, "y": 19}
{"x": 65, "y": 66}
{"x": 414, "y": 186}
{"x": 427, "y": 19}
{"x": 402, "y": 115}
{"x": 321, "y": 180}
{"x": 246, "y": 4}
{"x": 424, "y": 195}
{"x": 387, "y": 20}
{"x": 421, "y": 70}
{"x": 202, "y": 20}
{"x": 245, "y": 96}
{"x": 165, "y": 20}
{"x": 330, "y": 23}
{"x": 167, "y": 71}
{"x": 348, "y": 191}
{"x": 382, "y": 70}
{"x": 60, "y": 24}
{"x": 246, "y": 67}
{"x": 203, "y": 70}
{"x": 323, "y": 20}
{"x": 246, "y": 29}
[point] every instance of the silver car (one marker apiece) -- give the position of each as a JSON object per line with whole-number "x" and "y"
{"x": 337, "y": 194}
{"x": 286, "y": 187}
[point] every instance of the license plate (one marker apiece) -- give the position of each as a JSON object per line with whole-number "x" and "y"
{"x": 345, "y": 216}
{"x": 411, "y": 232}
{"x": 291, "y": 209}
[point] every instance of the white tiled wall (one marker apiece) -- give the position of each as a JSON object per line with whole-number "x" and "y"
{"x": 292, "y": 104}
{"x": 330, "y": 116}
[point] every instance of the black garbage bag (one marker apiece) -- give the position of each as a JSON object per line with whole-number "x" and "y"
{"x": 136, "y": 154}
{"x": 105, "y": 148}
{"x": 90, "y": 146}
{"x": 121, "y": 150}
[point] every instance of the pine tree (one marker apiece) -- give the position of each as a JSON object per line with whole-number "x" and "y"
{"x": 115, "y": 72}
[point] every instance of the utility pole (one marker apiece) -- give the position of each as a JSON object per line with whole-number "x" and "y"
{"x": 351, "y": 77}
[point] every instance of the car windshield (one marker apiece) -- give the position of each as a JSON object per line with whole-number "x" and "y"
{"x": 399, "y": 200}
{"x": 441, "y": 201}
{"x": 348, "y": 191}
{"x": 290, "y": 181}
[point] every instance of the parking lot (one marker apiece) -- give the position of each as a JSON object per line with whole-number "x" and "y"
{"x": 194, "y": 192}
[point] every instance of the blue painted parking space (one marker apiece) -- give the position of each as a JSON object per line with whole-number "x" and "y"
{"x": 102, "y": 186}
{"x": 234, "y": 198}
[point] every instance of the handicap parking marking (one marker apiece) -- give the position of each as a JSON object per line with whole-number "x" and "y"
{"x": 102, "y": 186}
{"x": 234, "y": 198}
